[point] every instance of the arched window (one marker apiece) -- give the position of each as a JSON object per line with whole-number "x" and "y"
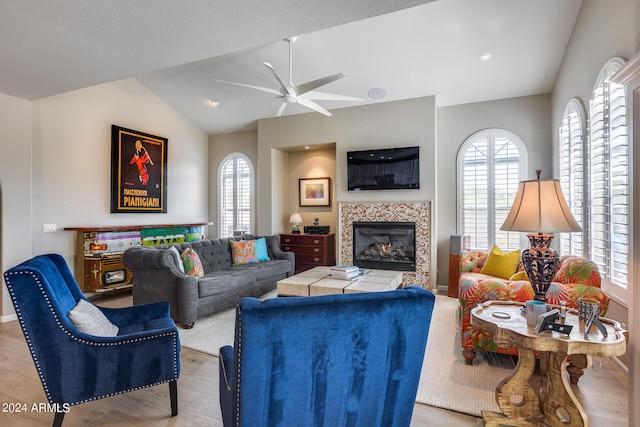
{"x": 573, "y": 174}
{"x": 608, "y": 192}
{"x": 491, "y": 163}
{"x": 235, "y": 189}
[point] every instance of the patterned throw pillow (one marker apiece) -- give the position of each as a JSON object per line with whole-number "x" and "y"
{"x": 500, "y": 264}
{"x": 89, "y": 319}
{"x": 192, "y": 263}
{"x": 243, "y": 252}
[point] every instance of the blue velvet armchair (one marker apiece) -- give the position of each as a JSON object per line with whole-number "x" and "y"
{"x": 76, "y": 367}
{"x": 334, "y": 360}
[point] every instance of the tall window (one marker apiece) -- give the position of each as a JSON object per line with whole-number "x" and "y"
{"x": 573, "y": 174}
{"x": 491, "y": 163}
{"x": 235, "y": 189}
{"x": 609, "y": 179}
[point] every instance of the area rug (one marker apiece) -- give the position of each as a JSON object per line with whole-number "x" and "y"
{"x": 446, "y": 381}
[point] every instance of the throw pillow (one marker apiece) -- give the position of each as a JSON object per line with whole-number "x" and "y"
{"x": 243, "y": 252}
{"x": 176, "y": 254}
{"x": 89, "y": 319}
{"x": 500, "y": 264}
{"x": 520, "y": 275}
{"x": 261, "y": 250}
{"x": 192, "y": 263}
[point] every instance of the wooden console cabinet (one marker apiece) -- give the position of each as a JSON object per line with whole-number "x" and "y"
{"x": 311, "y": 250}
{"x": 98, "y": 264}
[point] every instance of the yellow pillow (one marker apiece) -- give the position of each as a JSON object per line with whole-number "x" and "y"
{"x": 520, "y": 275}
{"x": 500, "y": 264}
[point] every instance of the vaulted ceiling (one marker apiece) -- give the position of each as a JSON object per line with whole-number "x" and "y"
{"x": 407, "y": 48}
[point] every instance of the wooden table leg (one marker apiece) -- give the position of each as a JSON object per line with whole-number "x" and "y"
{"x": 515, "y": 397}
{"x": 559, "y": 404}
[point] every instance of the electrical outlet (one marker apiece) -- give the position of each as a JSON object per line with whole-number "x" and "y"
{"x": 50, "y": 228}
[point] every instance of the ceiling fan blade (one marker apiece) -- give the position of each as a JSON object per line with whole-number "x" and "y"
{"x": 281, "y": 109}
{"x": 285, "y": 88}
{"x": 315, "y": 107}
{"x": 264, "y": 89}
{"x": 314, "y": 84}
{"x": 328, "y": 96}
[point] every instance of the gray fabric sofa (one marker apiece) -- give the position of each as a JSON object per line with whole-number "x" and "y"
{"x": 157, "y": 276}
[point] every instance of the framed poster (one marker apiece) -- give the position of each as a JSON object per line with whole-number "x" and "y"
{"x": 315, "y": 191}
{"x": 138, "y": 171}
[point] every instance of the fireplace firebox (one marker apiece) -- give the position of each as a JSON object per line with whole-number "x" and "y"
{"x": 385, "y": 245}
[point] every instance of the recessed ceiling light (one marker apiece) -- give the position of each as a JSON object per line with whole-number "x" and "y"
{"x": 377, "y": 93}
{"x": 485, "y": 56}
{"x": 214, "y": 103}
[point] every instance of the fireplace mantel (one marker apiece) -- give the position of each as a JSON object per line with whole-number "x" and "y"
{"x": 418, "y": 212}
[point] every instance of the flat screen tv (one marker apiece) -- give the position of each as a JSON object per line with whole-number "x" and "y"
{"x": 383, "y": 169}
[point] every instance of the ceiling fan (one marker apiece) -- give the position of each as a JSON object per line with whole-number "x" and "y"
{"x": 303, "y": 94}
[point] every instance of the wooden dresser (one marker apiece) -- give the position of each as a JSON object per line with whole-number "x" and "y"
{"x": 311, "y": 250}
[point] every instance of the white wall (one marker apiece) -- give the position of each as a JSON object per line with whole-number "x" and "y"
{"x": 526, "y": 117}
{"x": 312, "y": 164}
{"x": 220, "y": 146}
{"x": 390, "y": 124}
{"x": 15, "y": 189}
{"x": 70, "y": 160}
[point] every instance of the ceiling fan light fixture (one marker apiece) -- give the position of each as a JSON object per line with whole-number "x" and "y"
{"x": 304, "y": 94}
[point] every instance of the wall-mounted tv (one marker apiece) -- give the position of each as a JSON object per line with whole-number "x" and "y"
{"x": 383, "y": 169}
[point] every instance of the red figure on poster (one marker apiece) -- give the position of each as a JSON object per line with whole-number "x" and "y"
{"x": 141, "y": 158}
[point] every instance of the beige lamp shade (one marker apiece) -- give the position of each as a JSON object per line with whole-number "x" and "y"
{"x": 540, "y": 207}
{"x": 295, "y": 218}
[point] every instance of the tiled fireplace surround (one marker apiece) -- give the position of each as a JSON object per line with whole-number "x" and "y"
{"x": 418, "y": 212}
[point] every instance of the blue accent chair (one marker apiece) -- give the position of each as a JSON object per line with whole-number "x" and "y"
{"x": 334, "y": 360}
{"x": 75, "y": 367}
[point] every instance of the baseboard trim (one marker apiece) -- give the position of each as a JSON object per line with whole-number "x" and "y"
{"x": 9, "y": 318}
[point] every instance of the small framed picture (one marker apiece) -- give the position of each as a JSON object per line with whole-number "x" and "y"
{"x": 315, "y": 191}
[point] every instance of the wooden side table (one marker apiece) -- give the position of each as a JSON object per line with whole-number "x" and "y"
{"x": 520, "y": 404}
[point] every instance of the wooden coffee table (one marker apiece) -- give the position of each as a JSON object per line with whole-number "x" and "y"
{"x": 318, "y": 281}
{"x": 521, "y": 405}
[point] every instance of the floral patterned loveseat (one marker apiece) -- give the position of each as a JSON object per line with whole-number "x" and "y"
{"x": 576, "y": 277}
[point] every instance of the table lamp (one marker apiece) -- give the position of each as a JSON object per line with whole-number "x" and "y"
{"x": 296, "y": 220}
{"x": 540, "y": 209}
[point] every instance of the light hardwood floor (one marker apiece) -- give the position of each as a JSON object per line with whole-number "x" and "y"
{"x": 602, "y": 391}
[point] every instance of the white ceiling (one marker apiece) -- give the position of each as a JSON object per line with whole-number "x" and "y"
{"x": 177, "y": 49}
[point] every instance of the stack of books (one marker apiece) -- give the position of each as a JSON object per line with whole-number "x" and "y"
{"x": 346, "y": 272}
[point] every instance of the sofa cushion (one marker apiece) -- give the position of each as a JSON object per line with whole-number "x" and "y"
{"x": 267, "y": 269}
{"x": 89, "y": 319}
{"x": 192, "y": 264}
{"x": 221, "y": 281}
{"x": 575, "y": 269}
{"x": 176, "y": 254}
{"x": 215, "y": 254}
{"x": 261, "y": 250}
{"x": 501, "y": 264}
{"x": 243, "y": 252}
{"x": 520, "y": 275}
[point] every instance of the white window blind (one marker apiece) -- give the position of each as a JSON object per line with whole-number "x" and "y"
{"x": 490, "y": 165}
{"x": 609, "y": 178}
{"x": 236, "y": 183}
{"x": 572, "y": 174}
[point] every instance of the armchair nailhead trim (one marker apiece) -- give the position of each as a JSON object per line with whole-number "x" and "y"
{"x": 81, "y": 340}
{"x": 239, "y": 317}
